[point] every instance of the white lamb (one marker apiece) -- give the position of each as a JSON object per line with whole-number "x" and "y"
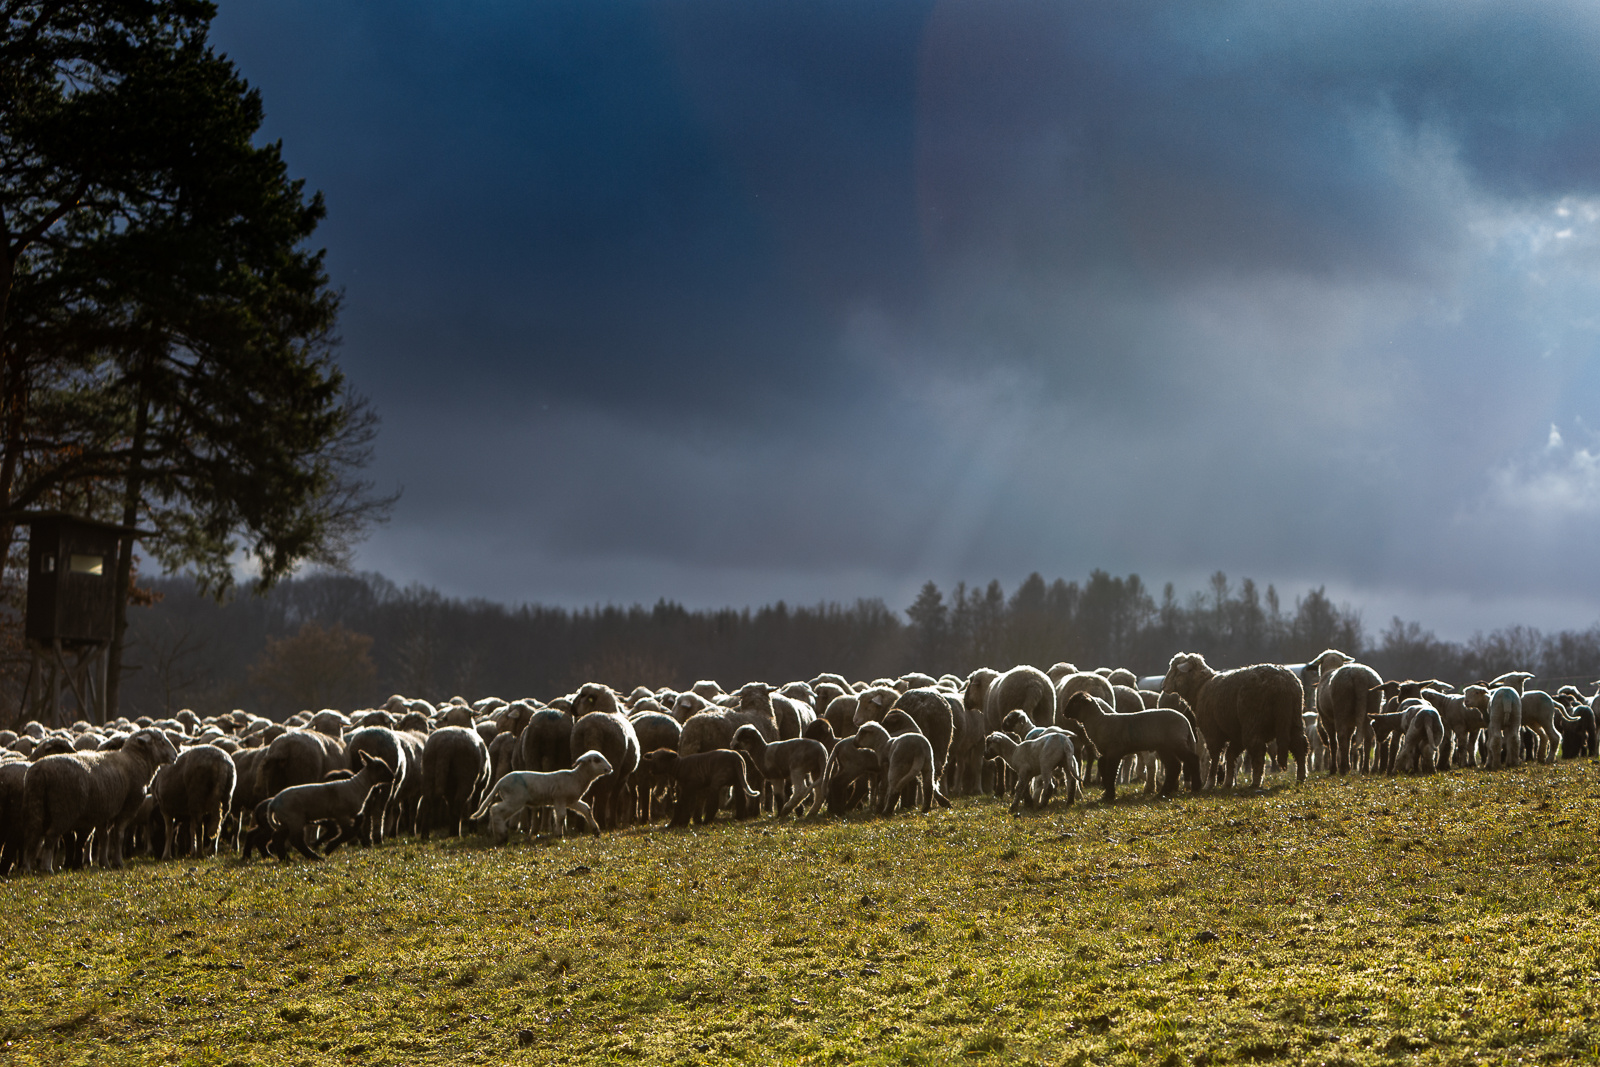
{"x": 519, "y": 791}
{"x": 1034, "y": 761}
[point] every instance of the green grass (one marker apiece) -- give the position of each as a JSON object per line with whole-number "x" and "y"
{"x": 1449, "y": 919}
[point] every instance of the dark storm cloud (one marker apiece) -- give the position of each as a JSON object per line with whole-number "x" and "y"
{"x": 691, "y": 298}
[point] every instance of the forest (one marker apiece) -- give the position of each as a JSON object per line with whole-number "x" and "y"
{"x": 348, "y": 640}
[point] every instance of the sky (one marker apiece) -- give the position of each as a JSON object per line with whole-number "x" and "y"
{"x": 732, "y": 301}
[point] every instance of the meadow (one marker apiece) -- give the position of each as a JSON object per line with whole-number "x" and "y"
{"x": 1445, "y": 919}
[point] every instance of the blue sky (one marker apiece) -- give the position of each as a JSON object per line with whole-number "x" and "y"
{"x": 727, "y": 302}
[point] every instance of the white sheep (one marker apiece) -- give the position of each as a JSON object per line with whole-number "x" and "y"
{"x": 520, "y": 790}
{"x": 1036, "y": 761}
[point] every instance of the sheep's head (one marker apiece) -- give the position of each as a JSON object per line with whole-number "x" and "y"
{"x": 979, "y": 682}
{"x": 660, "y": 761}
{"x": 154, "y": 743}
{"x": 594, "y": 697}
{"x": 802, "y": 692}
{"x": 747, "y": 738}
{"x": 1017, "y": 722}
{"x": 898, "y": 722}
{"x": 688, "y": 704}
{"x": 1186, "y": 673}
{"x": 997, "y": 744}
{"x": 873, "y": 736}
{"x": 755, "y": 696}
{"x": 821, "y": 730}
{"x": 1514, "y": 679}
{"x": 1082, "y": 705}
{"x": 593, "y": 762}
{"x": 377, "y": 769}
{"x": 1476, "y": 697}
{"x": 874, "y": 704}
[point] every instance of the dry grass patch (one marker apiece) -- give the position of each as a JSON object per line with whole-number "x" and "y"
{"x": 1441, "y": 920}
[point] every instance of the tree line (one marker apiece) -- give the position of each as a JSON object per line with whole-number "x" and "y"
{"x": 348, "y": 640}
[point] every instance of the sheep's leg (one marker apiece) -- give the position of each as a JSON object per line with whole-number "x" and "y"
{"x": 800, "y": 790}
{"x": 561, "y": 816}
{"x": 588, "y": 816}
{"x": 297, "y": 837}
{"x": 1022, "y": 795}
{"x": 1108, "y": 778}
{"x": 1258, "y": 764}
{"x": 169, "y": 828}
{"x": 347, "y": 831}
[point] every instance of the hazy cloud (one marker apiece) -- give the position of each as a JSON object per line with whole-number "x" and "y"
{"x": 725, "y": 302}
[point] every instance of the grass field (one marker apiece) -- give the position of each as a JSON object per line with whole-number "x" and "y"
{"x": 1449, "y": 919}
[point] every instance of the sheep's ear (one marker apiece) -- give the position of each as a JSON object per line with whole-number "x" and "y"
{"x": 364, "y": 758}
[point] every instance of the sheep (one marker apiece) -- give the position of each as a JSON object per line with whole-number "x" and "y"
{"x": 1034, "y": 761}
{"x": 1241, "y": 710}
{"x": 1503, "y": 734}
{"x": 1539, "y": 715}
{"x": 1348, "y": 696}
{"x": 964, "y": 763}
{"x": 841, "y": 714}
{"x": 598, "y": 724}
{"x": 519, "y": 791}
{"x": 907, "y": 758}
{"x": 455, "y": 766}
{"x": 1419, "y": 747}
{"x": 800, "y": 712}
{"x": 700, "y": 779}
{"x": 1083, "y": 682}
{"x": 975, "y": 692}
{"x": 1318, "y": 751}
{"x": 1023, "y": 728}
{"x": 1578, "y": 735}
{"x": 655, "y": 730}
{"x": 89, "y": 792}
{"x": 854, "y": 773}
{"x": 196, "y": 788}
{"x": 546, "y": 742}
{"x": 873, "y": 704}
{"x": 931, "y": 709}
{"x": 799, "y": 762}
{"x": 11, "y": 823}
{"x": 295, "y": 810}
{"x": 822, "y": 732}
{"x": 259, "y": 836}
{"x": 330, "y": 722}
{"x": 1462, "y": 715}
{"x": 706, "y": 688}
{"x": 1162, "y": 731}
{"x": 382, "y": 813}
{"x": 1059, "y": 671}
{"x": 297, "y": 757}
{"x": 714, "y": 729}
{"x": 1024, "y": 687}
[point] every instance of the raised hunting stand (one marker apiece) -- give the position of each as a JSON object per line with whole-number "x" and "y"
{"x": 72, "y": 566}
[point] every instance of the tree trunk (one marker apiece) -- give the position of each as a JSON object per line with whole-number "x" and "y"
{"x": 133, "y": 490}
{"x": 13, "y": 387}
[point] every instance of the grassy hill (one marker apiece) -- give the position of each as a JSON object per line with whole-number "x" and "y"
{"x": 1445, "y": 919}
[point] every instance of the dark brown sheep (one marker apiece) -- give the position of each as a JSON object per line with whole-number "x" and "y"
{"x": 699, "y": 781}
{"x": 1239, "y": 711}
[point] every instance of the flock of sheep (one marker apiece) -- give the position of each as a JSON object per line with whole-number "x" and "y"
{"x": 188, "y": 785}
